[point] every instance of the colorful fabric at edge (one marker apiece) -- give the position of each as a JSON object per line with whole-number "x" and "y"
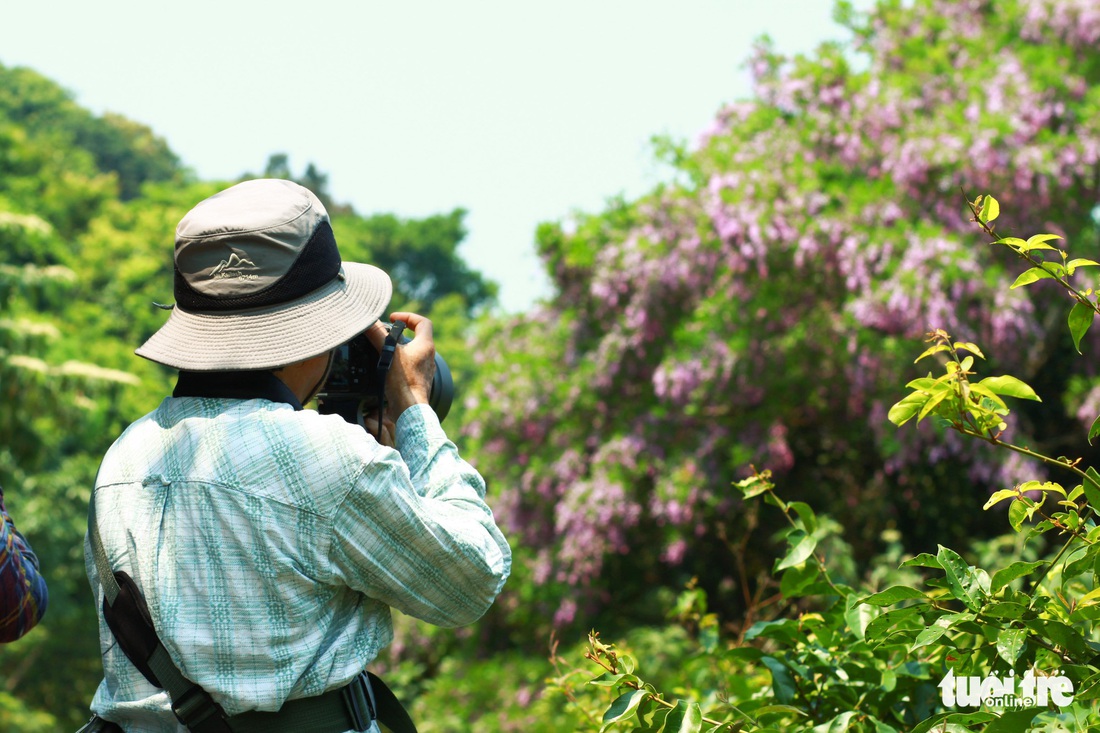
{"x": 22, "y": 587}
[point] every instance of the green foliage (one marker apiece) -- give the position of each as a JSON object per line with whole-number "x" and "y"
{"x": 126, "y": 149}
{"x": 889, "y": 655}
{"x": 421, "y": 256}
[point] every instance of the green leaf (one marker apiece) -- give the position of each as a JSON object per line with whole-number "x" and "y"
{"x": 782, "y": 683}
{"x": 1038, "y": 241}
{"x": 907, "y": 408}
{"x": 972, "y": 348}
{"x": 923, "y": 560}
{"x": 1029, "y": 276}
{"x": 753, "y": 486}
{"x": 781, "y": 629}
{"x": 952, "y": 722}
{"x": 1094, "y": 430}
{"x": 1019, "y": 569}
{"x": 1017, "y": 513}
{"x": 1080, "y": 318}
{"x": 1043, "y": 486}
{"x": 1092, "y": 488}
{"x": 960, "y": 578}
{"x": 1013, "y": 721}
{"x": 772, "y": 498}
{"x": 796, "y": 580}
{"x": 802, "y": 546}
{"x": 839, "y": 724}
{"x": 858, "y": 616}
{"x": 1011, "y": 387}
{"x": 656, "y": 722}
{"x": 991, "y": 396}
{"x": 612, "y": 680}
{"x": 879, "y": 626}
{"x": 931, "y": 350}
{"x": 778, "y": 709}
{"x": 926, "y": 384}
{"x": 1061, "y": 635}
{"x": 999, "y": 496}
{"x": 744, "y": 653}
{"x": 893, "y": 595}
{"x": 1004, "y": 609}
{"x": 1080, "y": 262}
{"x": 939, "y": 628}
{"x": 1088, "y": 689}
{"x": 881, "y": 727}
{"x": 1010, "y": 642}
{"x": 625, "y": 706}
{"x": 991, "y": 209}
{"x": 931, "y": 403}
{"x": 806, "y": 514}
{"x": 686, "y": 717}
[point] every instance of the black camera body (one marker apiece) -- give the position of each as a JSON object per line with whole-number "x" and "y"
{"x": 355, "y": 385}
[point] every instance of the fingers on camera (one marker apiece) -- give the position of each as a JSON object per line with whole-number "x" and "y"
{"x": 420, "y": 326}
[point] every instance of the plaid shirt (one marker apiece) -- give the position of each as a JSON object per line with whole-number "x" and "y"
{"x": 22, "y": 588}
{"x": 270, "y": 545}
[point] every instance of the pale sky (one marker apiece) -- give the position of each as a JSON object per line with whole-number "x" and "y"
{"x": 519, "y": 111}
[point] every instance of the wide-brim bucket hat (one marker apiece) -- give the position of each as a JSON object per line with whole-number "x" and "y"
{"x": 259, "y": 283}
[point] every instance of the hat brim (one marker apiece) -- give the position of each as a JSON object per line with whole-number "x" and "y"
{"x": 273, "y": 336}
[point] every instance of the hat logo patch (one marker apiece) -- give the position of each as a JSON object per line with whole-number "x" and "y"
{"x": 235, "y": 267}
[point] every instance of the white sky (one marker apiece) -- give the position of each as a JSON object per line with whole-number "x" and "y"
{"x": 519, "y": 111}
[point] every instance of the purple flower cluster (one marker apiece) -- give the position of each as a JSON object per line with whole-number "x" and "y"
{"x": 768, "y": 312}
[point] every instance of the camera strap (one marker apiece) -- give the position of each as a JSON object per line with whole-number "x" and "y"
{"x": 352, "y": 707}
{"x": 385, "y": 361}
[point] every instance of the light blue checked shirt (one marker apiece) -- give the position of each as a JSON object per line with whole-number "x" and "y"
{"x": 270, "y": 545}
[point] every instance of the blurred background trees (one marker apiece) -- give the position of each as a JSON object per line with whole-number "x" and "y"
{"x": 760, "y": 307}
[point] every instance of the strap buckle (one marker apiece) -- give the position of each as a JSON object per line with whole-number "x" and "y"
{"x": 359, "y": 700}
{"x": 195, "y": 707}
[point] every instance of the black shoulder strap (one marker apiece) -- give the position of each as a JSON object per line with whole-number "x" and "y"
{"x": 123, "y": 606}
{"x": 391, "y": 713}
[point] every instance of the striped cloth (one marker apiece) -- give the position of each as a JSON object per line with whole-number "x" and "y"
{"x": 22, "y": 588}
{"x": 270, "y": 545}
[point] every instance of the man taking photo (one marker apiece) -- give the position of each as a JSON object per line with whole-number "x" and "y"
{"x": 263, "y": 543}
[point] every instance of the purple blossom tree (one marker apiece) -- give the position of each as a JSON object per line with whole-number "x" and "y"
{"x": 763, "y": 309}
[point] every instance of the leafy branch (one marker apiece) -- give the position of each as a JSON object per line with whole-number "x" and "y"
{"x": 985, "y": 209}
{"x": 675, "y": 717}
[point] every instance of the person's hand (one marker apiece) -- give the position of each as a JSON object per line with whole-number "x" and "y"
{"x": 389, "y": 430}
{"x": 413, "y": 369}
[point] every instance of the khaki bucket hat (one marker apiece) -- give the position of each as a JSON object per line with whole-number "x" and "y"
{"x": 259, "y": 283}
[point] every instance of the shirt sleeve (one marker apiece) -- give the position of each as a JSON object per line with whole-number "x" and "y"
{"x": 22, "y": 588}
{"x": 415, "y": 532}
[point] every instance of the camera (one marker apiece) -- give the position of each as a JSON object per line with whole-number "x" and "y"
{"x": 356, "y": 382}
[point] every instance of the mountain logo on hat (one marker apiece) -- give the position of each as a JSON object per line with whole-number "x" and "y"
{"x": 235, "y": 266}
